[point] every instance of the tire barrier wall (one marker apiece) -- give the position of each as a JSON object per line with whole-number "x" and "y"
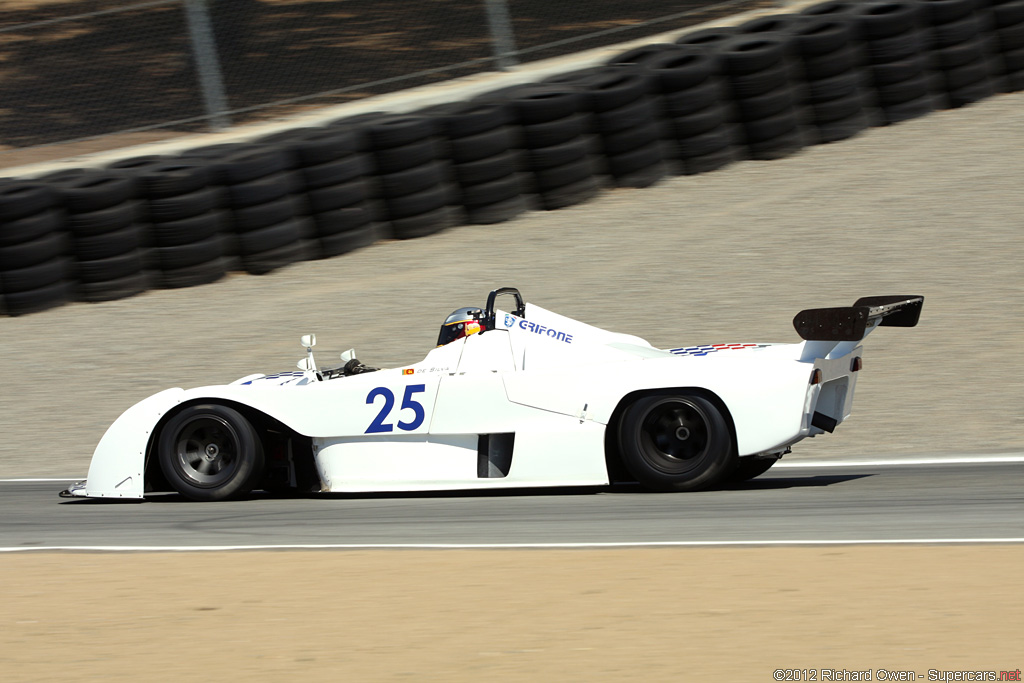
{"x": 760, "y": 90}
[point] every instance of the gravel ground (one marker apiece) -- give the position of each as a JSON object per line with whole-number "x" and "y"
{"x": 602, "y": 616}
{"x": 930, "y": 207}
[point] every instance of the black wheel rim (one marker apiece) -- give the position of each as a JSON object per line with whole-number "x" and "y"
{"x": 674, "y": 436}
{"x": 206, "y": 451}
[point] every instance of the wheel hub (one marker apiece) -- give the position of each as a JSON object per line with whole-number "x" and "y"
{"x": 677, "y": 435}
{"x": 211, "y": 452}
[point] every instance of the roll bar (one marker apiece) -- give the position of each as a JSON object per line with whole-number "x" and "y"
{"x": 488, "y": 317}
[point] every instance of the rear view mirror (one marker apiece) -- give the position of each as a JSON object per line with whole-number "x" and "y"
{"x": 308, "y": 340}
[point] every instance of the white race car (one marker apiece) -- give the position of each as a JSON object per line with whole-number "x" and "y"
{"x": 528, "y": 398}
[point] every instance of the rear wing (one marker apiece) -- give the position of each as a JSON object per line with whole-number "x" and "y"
{"x": 853, "y": 323}
{"x": 835, "y": 332}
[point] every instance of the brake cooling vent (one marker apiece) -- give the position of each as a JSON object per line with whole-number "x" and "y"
{"x": 494, "y": 455}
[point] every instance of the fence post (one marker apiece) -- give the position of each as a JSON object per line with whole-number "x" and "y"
{"x": 204, "y": 48}
{"x": 502, "y": 34}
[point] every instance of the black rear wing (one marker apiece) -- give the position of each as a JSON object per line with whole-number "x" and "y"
{"x": 853, "y": 323}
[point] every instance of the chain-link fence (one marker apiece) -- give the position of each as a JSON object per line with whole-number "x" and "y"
{"x": 76, "y": 69}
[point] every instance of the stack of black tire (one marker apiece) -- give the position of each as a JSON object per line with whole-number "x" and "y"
{"x": 757, "y": 72}
{"x": 842, "y": 10}
{"x": 894, "y": 44}
{"x": 710, "y": 40}
{"x": 262, "y": 196}
{"x": 131, "y": 167}
{"x": 484, "y": 163}
{"x": 332, "y": 172}
{"x": 552, "y": 128}
{"x": 187, "y": 240}
{"x": 640, "y": 56}
{"x": 625, "y": 120}
{"x": 832, "y": 66}
{"x": 1007, "y": 40}
{"x": 782, "y": 27}
{"x": 108, "y": 233}
{"x": 33, "y": 266}
{"x": 409, "y": 173}
{"x": 695, "y": 110}
{"x": 707, "y": 38}
{"x": 958, "y": 51}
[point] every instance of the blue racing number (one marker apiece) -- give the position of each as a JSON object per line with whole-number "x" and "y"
{"x": 389, "y": 402}
{"x": 419, "y": 414}
{"x": 415, "y": 406}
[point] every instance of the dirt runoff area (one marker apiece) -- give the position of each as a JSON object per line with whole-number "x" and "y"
{"x": 681, "y": 614}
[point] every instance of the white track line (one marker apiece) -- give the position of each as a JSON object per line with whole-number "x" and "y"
{"x": 517, "y": 546}
{"x": 898, "y": 462}
{"x": 890, "y": 462}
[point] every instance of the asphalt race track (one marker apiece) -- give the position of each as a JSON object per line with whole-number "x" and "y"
{"x": 872, "y": 502}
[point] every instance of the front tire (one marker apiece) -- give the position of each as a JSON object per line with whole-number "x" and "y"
{"x": 676, "y": 442}
{"x": 210, "y": 452}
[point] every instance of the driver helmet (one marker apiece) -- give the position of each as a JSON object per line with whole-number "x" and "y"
{"x": 461, "y": 323}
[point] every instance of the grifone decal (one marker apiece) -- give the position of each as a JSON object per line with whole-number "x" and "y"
{"x": 513, "y": 321}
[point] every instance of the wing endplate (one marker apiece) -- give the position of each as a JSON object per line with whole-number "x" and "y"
{"x": 895, "y": 311}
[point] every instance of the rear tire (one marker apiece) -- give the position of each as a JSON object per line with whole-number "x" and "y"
{"x": 210, "y": 452}
{"x": 676, "y": 442}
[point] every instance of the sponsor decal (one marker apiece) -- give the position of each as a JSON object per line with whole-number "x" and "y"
{"x": 545, "y": 331}
{"x": 287, "y": 375}
{"x": 510, "y": 320}
{"x": 712, "y": 348}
